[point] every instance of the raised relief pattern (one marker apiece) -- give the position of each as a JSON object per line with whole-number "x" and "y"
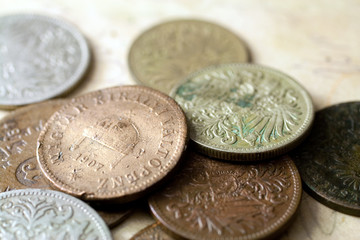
{"x": 228, "y": 200}
{"x": 240, "y": 107}
{"x": 50, "y": 55}
{"x": 38, "y": 218}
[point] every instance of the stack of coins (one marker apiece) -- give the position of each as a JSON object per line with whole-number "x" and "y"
{"x": 205, "y": 141}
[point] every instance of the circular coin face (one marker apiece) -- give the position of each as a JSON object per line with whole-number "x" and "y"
{"x": 244, "y": 112}
{"x": 153, "y": 232}
{"x": 210, "y": 199}
{"x": 18, "y": 166}
{"x": 167, "y": 53}
{"x": 329, "y": 160}
{"x": 112, "y": 144}
{"x": 41, "y": 58}
{"x": 45, "y": 214}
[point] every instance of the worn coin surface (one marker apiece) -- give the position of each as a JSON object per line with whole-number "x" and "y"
{"x": 19, "y": 131}
{"x": 210, "y": 199}
{"x": 45, "y": 214}
{"x": 329, "y": 160}
{"x": 18, "y": 166}
{"x": 41, "y": 57}
{"x": 244, "y": 112}
{"x": 165, "y": 54}
{"x": 112, "y": 144}
{"x": 155, "y": 231}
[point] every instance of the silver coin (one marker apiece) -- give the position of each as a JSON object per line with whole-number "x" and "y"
{"x": 40, "y": 58}
{"x": 51, "y": 215}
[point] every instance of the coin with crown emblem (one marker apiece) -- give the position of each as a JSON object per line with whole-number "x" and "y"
{"x": 113, "y": 144}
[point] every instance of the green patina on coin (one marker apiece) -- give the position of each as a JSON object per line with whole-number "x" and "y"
{"x": 244, "y": 111}
{"x": 329, "y": 160}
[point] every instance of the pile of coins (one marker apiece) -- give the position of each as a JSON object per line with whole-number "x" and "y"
{"x": 205, "y": 140}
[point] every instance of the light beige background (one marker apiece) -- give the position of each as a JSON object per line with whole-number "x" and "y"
{"x": 317, "y": 42}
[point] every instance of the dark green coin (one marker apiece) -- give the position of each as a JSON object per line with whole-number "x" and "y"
{"x": 329, "y": 160}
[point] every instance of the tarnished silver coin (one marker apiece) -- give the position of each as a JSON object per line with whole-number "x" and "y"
{"x": 45, "y": 214}
{"x": 40, "y": 58}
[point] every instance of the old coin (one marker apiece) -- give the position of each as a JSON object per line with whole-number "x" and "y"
{"x": 41, "y": 58}
{"x": 167, "y": 53}
{"x": 211, "y": 199}
{"x": 18, "y": 166}
{"x": 19, "y": 132}
{"x": 155, "y": 231}
{"x": 45, "y": 214}
{"x": 112, "y": 144}
{"x": 329, "y": 160}
{"x": 244, "y": 112}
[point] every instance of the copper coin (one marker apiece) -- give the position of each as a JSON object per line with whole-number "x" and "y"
{"x": 112, "y": 144}
{"x": 329, "y": 161}
{"x": 211, "y": 199}
{"x": 165, "y": 54}
{"x": 155, "y": 231}
{"x": 18, "y": 166}
{"x": 19, "y": 132}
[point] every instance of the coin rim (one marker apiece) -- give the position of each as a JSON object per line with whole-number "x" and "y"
{"x": 131, "y": 192}
{"x": 69, "y": 83}
{"x": 271, "y": 231}
{"x": 320, "y": 195}
{"x": 132, "y": 66}
{"x": 91, "y": 213}
{"x": 265, "y": 152}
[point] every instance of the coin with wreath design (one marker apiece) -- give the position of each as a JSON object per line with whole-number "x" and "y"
{"x": 329, "y": 161}
{"x": 244, "y": 112}
{"x": 211, "y": 199}
{"x": 48, "y": 215}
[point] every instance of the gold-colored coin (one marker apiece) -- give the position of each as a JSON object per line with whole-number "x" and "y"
{"x": 244, "y": 112}
{"x": 165, "y": 54}
{"x": 112, "y": 144}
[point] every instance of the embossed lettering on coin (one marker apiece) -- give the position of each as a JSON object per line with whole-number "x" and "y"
{"x": 41, "y": 58}
{"x": 244, "y": 112}
{"x": 210, "y": 199}
{"x": 329, "y": 160}
{"x": 45, "y": 214}
{"x": 167, "y": 53}
{"x": 113, "y": 143}
{"x": 18, "y": 134}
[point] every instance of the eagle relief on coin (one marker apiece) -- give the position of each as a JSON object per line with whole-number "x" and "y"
{"x": 112, "y": 144}
{"x": 211, "y": 199}
{"x": 244, "y": 112}
{"x": 41, "y": 57}
{"x": 165, "y": 54}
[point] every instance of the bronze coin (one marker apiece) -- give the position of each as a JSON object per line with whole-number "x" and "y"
{"x": 19, "y": 132}
{"x": 112, "y": 144}
{"x": 165, "y": 54}
{"x": 155, "y": 231}
{"x": 211, "y": 199}
{"x": 329, "y": 160}
{"x": 19, "y": 169}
